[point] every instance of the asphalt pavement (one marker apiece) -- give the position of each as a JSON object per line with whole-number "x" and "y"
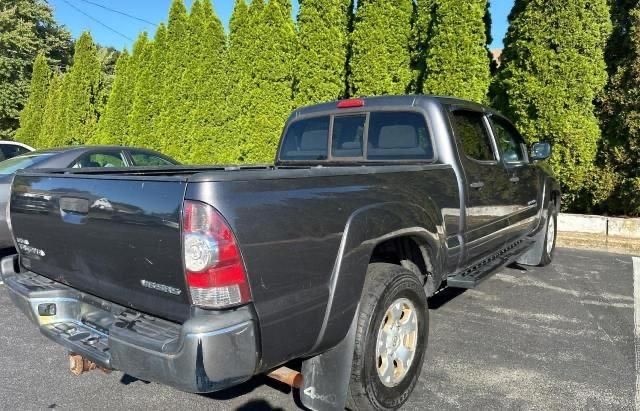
{"x": 560, "y": 337}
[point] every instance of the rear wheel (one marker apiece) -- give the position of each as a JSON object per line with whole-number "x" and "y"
{"x": 391, "y": 339}
{"x": 550, "y": 236}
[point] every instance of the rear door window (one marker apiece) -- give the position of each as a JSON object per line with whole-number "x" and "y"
{"x": 472, "y": 134}
{"x": 306, "y": 139}
{"x": 348, "y": 134}
{"x": 398, "y": 136}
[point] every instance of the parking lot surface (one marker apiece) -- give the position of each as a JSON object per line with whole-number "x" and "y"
{"x": 559, "y": 337}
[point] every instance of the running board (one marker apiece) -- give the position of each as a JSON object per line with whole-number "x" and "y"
{"x": 474, "y": 275}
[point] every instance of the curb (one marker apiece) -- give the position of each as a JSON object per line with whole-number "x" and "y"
{"x": 612, "y": 234}
{"x": 618, "y": 245}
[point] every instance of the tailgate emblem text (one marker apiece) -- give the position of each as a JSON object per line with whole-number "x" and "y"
{"x": 161, "y": 287}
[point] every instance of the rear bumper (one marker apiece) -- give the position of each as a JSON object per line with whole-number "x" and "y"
{"x": 208, "y": 353}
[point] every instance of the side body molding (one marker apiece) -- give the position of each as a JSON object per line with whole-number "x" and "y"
{"x": 366, "y": 228}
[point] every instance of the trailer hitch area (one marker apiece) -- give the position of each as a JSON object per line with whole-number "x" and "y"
{"x": 79, "y": 365}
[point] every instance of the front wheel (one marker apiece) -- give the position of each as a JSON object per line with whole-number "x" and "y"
{"x": 550, "y": 236}
{"x": 391, "y": 339}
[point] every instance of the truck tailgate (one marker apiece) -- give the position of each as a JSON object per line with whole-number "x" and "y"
{"x": 116, "y": 237}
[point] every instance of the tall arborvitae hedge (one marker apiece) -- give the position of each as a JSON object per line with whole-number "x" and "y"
{"x": 457, "y": 61}
{"x": 260, "y": 59}
{"x": 381, "y": 44}
{"x": 81, "y": 88}
{"x": 621, "y": 122}
{"x": 239, "y": 82}
{"x": 170, "y": 125}
{"x": 147, "y": 92}
{"x": 273, "y": 72}
{"x": 52, "y": 116}
{"x": 31, "y": 116}
{"x": 552, "y": 70}
{"x": 322, "y": 50}
{"x": 113, "y": 124}
{"x": 208, "y": 115}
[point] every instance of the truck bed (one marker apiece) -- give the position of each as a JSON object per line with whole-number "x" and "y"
{"x": 105, "y": 231}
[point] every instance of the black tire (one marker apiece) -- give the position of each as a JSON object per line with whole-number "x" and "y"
{"x": 547, "y": 256}
{"x": 384, "y": 285}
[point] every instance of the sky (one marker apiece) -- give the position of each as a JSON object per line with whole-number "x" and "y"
{"x": 110, "y": 28}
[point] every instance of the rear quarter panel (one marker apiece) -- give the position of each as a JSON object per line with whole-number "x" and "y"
{"x": 306, "y": 242}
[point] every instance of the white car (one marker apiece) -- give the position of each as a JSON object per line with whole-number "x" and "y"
{"x": 10, "y": 149}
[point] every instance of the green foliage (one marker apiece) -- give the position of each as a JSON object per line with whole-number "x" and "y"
{"x": 27, "y": 29}
{"x": 552, "y": 70}
{"x": 381, "y": 44}
{"x": 52, "y": 115}
{"x": 322, "y": 50}
{"x": 260, "y": 58}
{"x": 31, "y": 116}
{"x": 147, "y": 92}
{"x": 207, "y": 118}
{"x": 457, "y": 60}
{"x": 81, "y": 91}
{"x": 621, "y": 124}
{"x": 175, "y": 94}
{"x": 113, "y": 125}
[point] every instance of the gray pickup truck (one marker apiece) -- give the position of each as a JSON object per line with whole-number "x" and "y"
{"x": 202, "y": 277}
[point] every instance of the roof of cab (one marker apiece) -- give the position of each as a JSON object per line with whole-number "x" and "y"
{"x": 397, "y": 101}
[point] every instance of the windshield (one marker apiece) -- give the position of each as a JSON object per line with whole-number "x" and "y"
{"x": 14, "y": 164}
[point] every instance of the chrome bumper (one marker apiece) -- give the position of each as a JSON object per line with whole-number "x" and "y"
{"x": 209, "y": 352}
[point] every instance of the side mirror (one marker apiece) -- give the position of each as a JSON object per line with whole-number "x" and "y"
{"x": 540, "y": 151}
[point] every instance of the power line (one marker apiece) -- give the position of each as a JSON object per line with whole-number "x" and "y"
{"x": 119, "y": 12}
{"x": 97, "y": 21}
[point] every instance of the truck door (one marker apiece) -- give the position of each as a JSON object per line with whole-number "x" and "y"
{"x": 525, "y": 184}
{"x": 488, "y": 202}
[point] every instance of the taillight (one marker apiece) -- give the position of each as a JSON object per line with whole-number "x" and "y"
{"x": 213, "y": 264}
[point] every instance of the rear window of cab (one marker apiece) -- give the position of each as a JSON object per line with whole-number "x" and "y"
{"x": 376, "y": 135}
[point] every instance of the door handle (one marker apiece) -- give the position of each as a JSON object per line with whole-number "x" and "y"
{"x": 514, "y": 179}
{"x": 477, "y": 185}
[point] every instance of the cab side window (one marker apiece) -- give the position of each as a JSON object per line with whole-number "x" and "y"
{"x": 472, "y": 134}
{"x": 509, "y": 141}
{"x": 99, "y": 159}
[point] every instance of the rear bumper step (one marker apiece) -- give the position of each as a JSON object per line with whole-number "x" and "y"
{"x": 208, "y": 353}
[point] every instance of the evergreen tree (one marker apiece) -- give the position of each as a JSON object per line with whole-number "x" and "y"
{"x": 52, "y": 114}
{"x": 322, "y": 50}
{"x": 113, "y": 125}
{"x": 27, "y": 28}
{"x": 208, "y": 115}
{"x": 552, "y": 69}
{"x": 239, "y": 68}
{"x": 422, "y": 29}
{"x": 175, "y": 93}
{"x": 621, "y": 123}
{"x": 81, "y": 91}
{"x": 457, "y": 58}
{"x": 147, "y": 92}
{"x": 31, "y": 116}
{"x": 273, "y": 75}
{"x": 381, "y": 44}
{"x": 260, "y": 58}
